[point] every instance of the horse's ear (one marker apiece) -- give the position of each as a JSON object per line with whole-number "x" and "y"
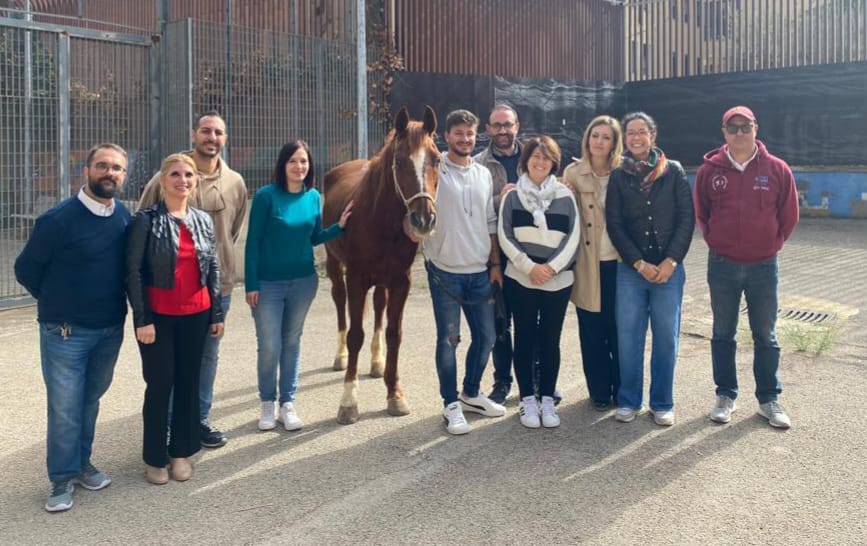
{"x": 430, "y": 121}
{"x": 401, "y": 120}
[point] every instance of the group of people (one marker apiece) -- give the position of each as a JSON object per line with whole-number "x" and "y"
{"x": 610, "y": 237}
{"x": 514, "y": 245}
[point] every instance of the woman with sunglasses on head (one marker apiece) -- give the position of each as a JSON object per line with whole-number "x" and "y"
{"x": 539, "y": 233}
{"x": 596, "y": 264}
{"x": 173, "y": 285}
{"x": 281, "y": 281}
{"x": 650, "y": 219}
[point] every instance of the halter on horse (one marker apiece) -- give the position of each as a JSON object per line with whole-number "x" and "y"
{"x": 379, "y": 247}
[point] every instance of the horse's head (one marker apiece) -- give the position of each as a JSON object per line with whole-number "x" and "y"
{"x": 415, "y": 168}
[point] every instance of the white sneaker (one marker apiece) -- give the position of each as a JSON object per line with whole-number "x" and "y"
{"x": 528, "y": 409}
{"x": 456, "y": 423}
{"x": 290, "y": 417}
{"x": 663, "y": 418}
{"x": 722, "y": 411}
{"x": 481, "y": 404}
{"x": 550, "y": 419}
{"x": 266, "y": 416}
{"x": 775, "y": 414}
{"x": 625, "y": 415}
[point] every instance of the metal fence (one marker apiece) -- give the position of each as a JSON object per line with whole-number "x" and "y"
{"x": 272, "y": 87}
{"x": 61, "y": 91}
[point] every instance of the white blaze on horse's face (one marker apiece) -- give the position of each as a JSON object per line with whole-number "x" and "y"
{"x": 418, "y": 163}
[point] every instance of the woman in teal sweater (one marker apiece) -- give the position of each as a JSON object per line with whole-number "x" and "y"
{"x": 280, "y": 278}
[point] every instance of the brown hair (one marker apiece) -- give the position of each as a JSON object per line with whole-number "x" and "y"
{"x": 616, "y": 153}
{"x": 104, "y": 146}
{"x": 545, "y": 144}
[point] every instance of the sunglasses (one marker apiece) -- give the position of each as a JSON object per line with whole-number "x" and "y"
{"x": 733, "y": 129}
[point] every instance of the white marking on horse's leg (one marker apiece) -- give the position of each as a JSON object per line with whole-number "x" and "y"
{"x": 377, "y": 353}
{"x": 340, "y": 359}
{"x": 418, "y": 163}
{"x": 350, "y": 394}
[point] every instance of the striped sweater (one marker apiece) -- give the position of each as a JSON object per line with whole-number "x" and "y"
{"x": 525, "y": 245}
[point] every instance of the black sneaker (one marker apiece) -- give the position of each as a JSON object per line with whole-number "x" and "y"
{"x": 500, "y": 392}
{"x": 601, "y": 405}
{"x": 211, "y": 436}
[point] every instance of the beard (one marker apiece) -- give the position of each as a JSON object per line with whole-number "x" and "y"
{"x": 504, "y": 142}
{"x": 104, "y": 188}
{"x": 204, "y": 152}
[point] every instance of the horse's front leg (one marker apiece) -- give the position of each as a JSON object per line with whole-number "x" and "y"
{"x": 377, "y": 345}
{"x": 397, "y": 294}
{"x": 338, "y": 295}
{"x": 356, "y": 294}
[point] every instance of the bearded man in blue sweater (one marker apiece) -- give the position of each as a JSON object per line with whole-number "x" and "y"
{"x": 73, "y": 264}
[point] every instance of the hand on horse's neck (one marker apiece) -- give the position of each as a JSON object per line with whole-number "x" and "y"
{"x": 462, "y": 160}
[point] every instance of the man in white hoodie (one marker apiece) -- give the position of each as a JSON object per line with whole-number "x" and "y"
{"x": 457, "y": 258}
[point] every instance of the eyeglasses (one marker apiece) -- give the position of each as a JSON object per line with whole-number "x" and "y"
{"x": 497, "y": 127}
{"x": 105, "y": 167}
{"x": 733, "y": 129}
{"x": 641, "y": 133}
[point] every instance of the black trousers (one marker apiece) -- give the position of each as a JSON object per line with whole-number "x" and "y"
{"x": 502, "y": 352}
{"x": 598, "y": 335}
{"x": 172, "y": 362}
{"x": 538, "y": 317}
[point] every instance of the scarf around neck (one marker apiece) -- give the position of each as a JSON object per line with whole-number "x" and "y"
{"x": 536, "y": 199}
{"x": 649, "y": 170}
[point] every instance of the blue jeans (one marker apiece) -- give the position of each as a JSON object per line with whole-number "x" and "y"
{"x": 636, "y": 301}
{"x": 279, "y": 319}
{"x": 475, "y": 290}
{"x": 208, "y": 373}
{"x": 758, "y": 282}
{"x": 77, "y": 371}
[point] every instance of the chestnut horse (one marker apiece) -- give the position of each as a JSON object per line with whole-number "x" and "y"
{"x": 394, "y": 207}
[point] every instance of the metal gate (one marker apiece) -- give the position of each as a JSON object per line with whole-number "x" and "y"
{"x": 62, "y": 90}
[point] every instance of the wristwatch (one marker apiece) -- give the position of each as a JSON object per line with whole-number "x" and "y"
{"x": 672, "y": 261}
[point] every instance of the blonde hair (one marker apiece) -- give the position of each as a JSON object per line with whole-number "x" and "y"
{"x": 170, "y": 160}
{"x": 616, "y": 153}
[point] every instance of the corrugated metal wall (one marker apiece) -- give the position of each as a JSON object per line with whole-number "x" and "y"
{"x": 564, "y": 39}
{"x": 679, "y": 38}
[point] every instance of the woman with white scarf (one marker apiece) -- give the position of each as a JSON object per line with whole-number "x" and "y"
{"x": 539, "y": 234}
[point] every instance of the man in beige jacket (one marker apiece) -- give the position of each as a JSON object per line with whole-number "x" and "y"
{"x": 222, "y": 194}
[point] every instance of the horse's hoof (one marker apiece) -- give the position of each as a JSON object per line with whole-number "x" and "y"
{"x": 347, "y": 415}
{"x": 377, "y": 368}
{"x": 398, "y": 406}
{"x": 339, "y": 363}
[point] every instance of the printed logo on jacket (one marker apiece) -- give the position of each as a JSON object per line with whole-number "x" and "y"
{"x": 719, "y": 182}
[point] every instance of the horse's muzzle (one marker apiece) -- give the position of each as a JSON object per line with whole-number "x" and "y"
{"x": 423, "y": 223}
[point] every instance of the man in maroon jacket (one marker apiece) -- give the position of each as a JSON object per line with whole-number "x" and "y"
{"x": 746, "y": 205}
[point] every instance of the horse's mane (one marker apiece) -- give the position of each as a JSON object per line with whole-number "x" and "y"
{"x": 379, "y": 166}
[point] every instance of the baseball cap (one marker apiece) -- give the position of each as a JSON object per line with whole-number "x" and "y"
{"x": 738, "y": 111}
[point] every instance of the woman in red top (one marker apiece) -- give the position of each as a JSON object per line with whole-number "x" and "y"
{"x": 174, "y": 291}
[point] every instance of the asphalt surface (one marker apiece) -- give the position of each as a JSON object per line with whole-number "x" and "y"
{"x": 399, "y": 480}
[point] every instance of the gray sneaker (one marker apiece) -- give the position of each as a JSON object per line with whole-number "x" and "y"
{"x": 722, "y": 411}
{"x": 775, "y": 414}
{"x": 60, "y": 496}
{"x": 92, "y": 478}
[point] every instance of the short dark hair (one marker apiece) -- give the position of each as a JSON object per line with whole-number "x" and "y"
{"x": 639, "y": 116}
{"x": 503, "y": 106}
{"x": 104, "y": 146}
{"x": 457, "y": 117}
{"x": 286, "y": 152}
{"x": 545, "y": 144}
{"x": 207, "y": 114}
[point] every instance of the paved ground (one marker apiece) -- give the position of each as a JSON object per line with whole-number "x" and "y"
{"x": 403, "y": 480}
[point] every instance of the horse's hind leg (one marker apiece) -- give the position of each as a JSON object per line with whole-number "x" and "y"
{"x": 338, "y": 294}
{"x": 357, "y": 293}
{"x": 377, "y": 345}
{"x": 397, "y": 402}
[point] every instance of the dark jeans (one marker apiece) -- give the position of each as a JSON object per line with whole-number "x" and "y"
{"x": 758, "y": 282}
{"x": 475, "y": 290}
{"x": 502, "y": 353}
{"x": 538, "y": 316}
{"x": 172, "y": 363}
{"x": 598, "y": 335}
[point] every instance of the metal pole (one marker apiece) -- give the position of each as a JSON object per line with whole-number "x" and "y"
{"x": 63, "y": 111}
{"x": 189, "y": 75}
{"x": 29, "y": 179}
{"x": 158, "y": 90}
{"x": 361, "y": 89}
{"x": 293, "y": 84}
{"x": 227, "y": 105}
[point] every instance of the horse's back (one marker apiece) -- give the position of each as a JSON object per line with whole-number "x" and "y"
{"x": 339, "y": 185}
